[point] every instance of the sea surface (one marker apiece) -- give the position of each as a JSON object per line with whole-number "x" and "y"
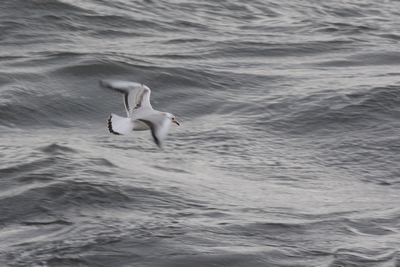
{"x": 288, "y": 153}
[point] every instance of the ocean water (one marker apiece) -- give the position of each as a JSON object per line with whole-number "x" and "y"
{"x": 287, "y": 155}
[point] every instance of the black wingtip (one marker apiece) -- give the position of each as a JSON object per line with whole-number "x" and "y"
{"x": 156, "y": 140}
{"x": 109, "y": 126}
{"x": 105, "y": 84}
{"x": 102, "y": 83}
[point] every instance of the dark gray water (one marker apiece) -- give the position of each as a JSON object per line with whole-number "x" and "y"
{"x": 287, "y": 155}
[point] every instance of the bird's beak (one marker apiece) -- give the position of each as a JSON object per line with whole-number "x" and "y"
{"x": 174, "y": 121}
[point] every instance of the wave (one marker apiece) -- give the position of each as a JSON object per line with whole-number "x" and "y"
{"x": 332, "y": 113}
{"x": 272, "y": 98}
{"x": 30, "y": 110}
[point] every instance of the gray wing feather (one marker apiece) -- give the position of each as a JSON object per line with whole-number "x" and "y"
{"x": 135, "y": 95}
{"x": 159, "y": 126}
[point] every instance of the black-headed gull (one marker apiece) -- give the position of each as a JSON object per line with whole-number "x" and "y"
{"x": 140, "y": 114}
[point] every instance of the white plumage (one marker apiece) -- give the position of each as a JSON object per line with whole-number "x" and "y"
{"x": 140, "y": 114}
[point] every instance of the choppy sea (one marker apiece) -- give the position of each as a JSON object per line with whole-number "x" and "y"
{"x": 288, "y": 151}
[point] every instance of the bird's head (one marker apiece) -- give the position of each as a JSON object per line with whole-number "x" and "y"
{"x": 172, "y": 118}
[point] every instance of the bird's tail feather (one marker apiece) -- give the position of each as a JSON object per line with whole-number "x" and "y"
{"x": 119, "y": 125}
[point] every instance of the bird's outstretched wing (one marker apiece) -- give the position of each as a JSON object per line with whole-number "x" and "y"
{"x": 159, "y": 125}
{"x": 136, "y": 95}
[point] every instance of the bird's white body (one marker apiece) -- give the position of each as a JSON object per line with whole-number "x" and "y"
{"x": 140, "y": 114}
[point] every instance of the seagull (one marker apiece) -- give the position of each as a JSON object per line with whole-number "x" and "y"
{"x": 140, "y": 114}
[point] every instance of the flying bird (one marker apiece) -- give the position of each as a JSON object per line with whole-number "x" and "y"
{"x": 140, "y": 114}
